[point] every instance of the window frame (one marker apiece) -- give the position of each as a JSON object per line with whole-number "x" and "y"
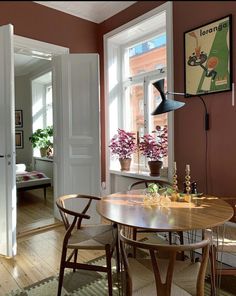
{"x": 43, "y": 112}
{"x": 167, "y": 7}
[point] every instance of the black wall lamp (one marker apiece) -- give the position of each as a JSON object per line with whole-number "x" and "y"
{"x": 167, "y": 105}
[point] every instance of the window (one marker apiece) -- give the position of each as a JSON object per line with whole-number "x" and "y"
{"x": 42, "y": 112}
{"x": 137, "y": 57}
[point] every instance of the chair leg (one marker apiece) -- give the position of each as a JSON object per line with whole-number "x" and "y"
{"x": 134, "y": 238}
{"x": 75, "y": 259}
{"x": 109, "y": 271}
{"x": 170, "y": 238}
{"x": 117, "y": 255}
{"x": 61, "y": 273}
{"x": 213, "y": 269}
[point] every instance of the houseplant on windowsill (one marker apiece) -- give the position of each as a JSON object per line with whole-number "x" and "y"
{"x": 155, "y": 148}
{"x": 43, "y": 139}
{"x": 123, "y": 145}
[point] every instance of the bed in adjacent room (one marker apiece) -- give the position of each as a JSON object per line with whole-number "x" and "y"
{"x": 31, "y": 180}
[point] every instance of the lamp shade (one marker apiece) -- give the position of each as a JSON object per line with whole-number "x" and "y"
{"x": 165, "y": 105}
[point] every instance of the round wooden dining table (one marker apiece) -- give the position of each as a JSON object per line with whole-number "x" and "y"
{"x": 128, "y": 208}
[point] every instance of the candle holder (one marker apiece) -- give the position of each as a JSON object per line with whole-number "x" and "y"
{"x": 188, "y": 183}
{"x": 175, "y": 181}
{"x": 175, "y": 195}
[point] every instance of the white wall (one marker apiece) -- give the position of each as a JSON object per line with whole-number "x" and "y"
{"x": 23, "y": 102}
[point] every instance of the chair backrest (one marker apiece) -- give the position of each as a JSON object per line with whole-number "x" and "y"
{"x": 146, "y": 182}
{"x": 170, "y": 251}
{"x": 65, "y": 212}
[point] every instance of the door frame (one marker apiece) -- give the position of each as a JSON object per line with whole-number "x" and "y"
{"x": 28, "y": 46}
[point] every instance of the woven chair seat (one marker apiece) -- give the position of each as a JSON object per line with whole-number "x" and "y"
{"x": 93, "y": 237}
{"x": 184, "y": 277}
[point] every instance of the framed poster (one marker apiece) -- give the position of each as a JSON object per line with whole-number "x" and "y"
{"x": 19, "y": 140}
{"x": 18, "y": 118}
{"x": 208, "y": 63}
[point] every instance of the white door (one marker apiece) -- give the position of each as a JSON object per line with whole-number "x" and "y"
{"x": 7, "y": 145}
{"x": 76, "y": 126}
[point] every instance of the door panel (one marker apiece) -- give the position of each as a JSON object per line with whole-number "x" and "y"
{"x": 77, "y": 126}
{"x": 7, "y": 144}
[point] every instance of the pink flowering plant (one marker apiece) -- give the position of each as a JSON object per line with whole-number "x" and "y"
{"x": 155, "y": 147}
{"x": 123, "y": 144}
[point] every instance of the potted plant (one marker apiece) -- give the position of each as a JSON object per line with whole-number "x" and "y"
{"x": 42, "y": 139}
{"x": 155, "y": 149}
{"x": 123, "y": 145}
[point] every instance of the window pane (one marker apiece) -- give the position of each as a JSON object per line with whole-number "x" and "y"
{"x": 134, "y": 108}
{"x": 148, "y": 56}
{"x": 134, "y": 118}
{"x": 49, "y": 120}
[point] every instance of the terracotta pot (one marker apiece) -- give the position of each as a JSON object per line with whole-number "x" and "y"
{"x": 125, "y": 164}
{"x": 155, "y": 167}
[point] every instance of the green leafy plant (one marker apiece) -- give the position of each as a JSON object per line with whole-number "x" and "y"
{"x": 42, "y": 138}
{"x": 152, "y": 188}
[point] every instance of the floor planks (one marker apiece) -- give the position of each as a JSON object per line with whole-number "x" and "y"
{"x": 33, "y": 212}
{"x": 38, "y": 257}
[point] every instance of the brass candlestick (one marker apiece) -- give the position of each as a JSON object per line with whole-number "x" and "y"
{"x": 188, "y": 183}
{"x": 175, "y": 181}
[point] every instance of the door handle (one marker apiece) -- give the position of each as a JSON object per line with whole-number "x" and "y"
{"x": 8, "y": 156}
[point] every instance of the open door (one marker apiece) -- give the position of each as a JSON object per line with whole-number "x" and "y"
{"x": 76, "y": 126}
{"x": 7, "y": 145}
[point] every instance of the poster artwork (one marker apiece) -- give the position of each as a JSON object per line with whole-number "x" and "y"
{"x": 207, "y": 58}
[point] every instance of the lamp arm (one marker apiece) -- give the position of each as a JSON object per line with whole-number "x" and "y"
{"x": 207, "y": 125}
{"x": 174, "y": 93}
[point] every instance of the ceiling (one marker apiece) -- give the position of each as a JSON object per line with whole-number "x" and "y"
{"x": 24, "y": 64}
{"x": 94, "y": 11}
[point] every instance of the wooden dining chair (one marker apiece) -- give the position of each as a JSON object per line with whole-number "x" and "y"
{"x": 224, "y": 242}
{"x": 141, "y": 183}
{"x": 79, "y": 237}
{"x": 161, "y": 184}
{"x": 163, "y": 276}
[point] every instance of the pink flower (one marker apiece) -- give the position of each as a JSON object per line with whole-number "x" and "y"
{"x": 155, "y": 148}
{"x": 123, "y": 144}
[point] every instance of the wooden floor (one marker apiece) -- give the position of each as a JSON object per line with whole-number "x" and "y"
{"x": 38, "y": 246}
{"x": 33, "y": 212}
{"x": 38, "y": 258}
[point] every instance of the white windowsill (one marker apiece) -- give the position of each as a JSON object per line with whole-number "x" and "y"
{"x": 136, "y": 175}
{"x": 43, "y": 158}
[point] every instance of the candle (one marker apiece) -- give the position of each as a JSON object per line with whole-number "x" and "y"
{"x": 187, "y": 167}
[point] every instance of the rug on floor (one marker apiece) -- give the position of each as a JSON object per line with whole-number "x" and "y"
{"x": 83, "y": 283}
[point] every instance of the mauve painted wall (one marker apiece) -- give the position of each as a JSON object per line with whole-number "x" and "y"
{"x": 189, "y": 121}
{"x": 39, "y": 22}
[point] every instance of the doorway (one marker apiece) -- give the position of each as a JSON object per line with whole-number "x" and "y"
{"x": 33, "y": 87}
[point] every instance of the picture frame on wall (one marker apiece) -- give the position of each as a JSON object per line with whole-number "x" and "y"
{"x": 208, "y": 58}
{"x": 19, "y": 139}
{"x": 18, "y": 118}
